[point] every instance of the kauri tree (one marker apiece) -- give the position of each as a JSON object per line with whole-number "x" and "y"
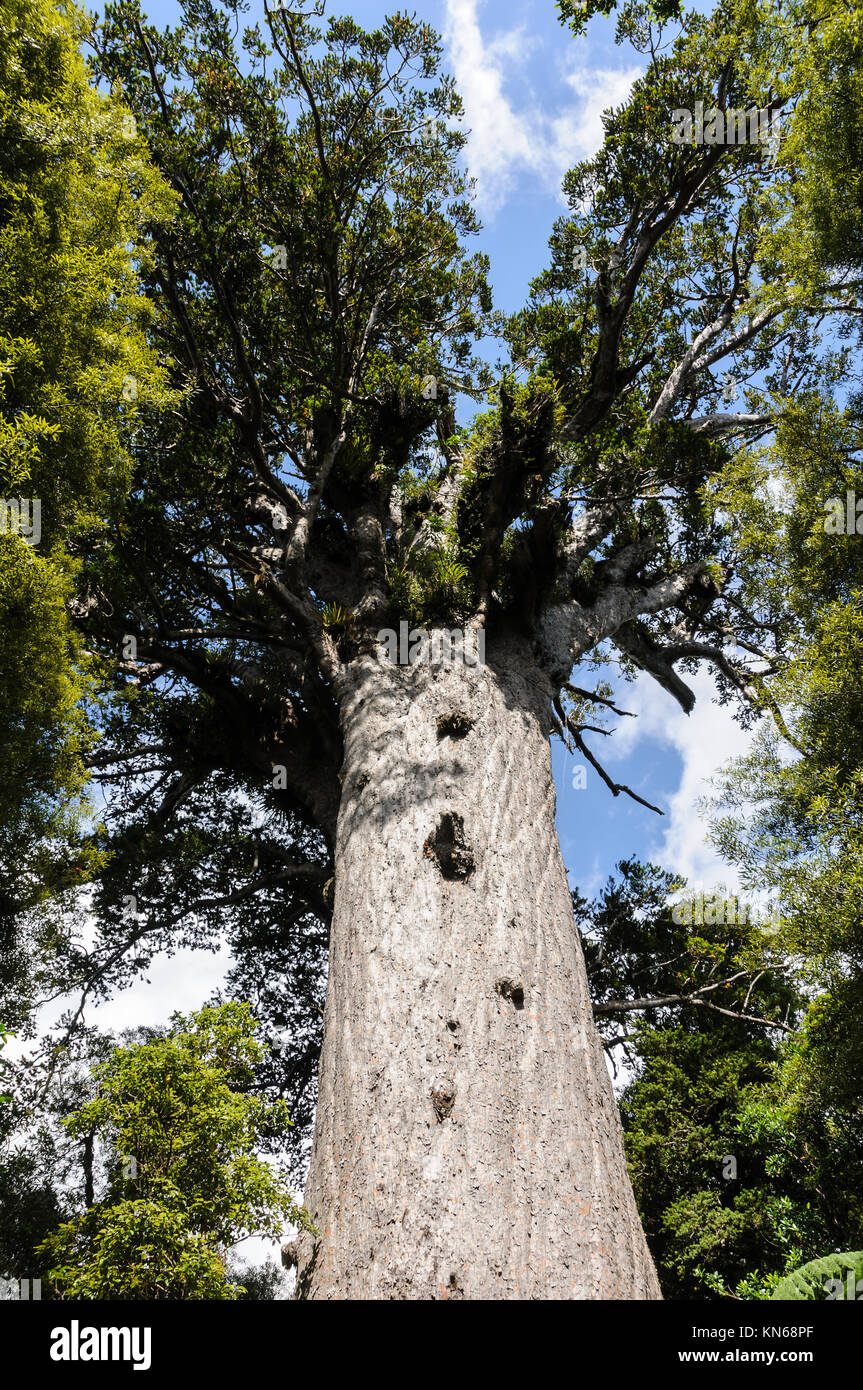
{"x": 310, "y": 490}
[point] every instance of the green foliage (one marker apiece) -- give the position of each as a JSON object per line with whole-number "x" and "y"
{"x": 713, "y": 1210}
{"x": 43, "y": 733}
{"x": 825, "y": 141}
{"x": 788, "y": 814}
{"x": 136, "y": 1249}
{"x": 426, "y": 585}
{"x": 185, "y": 1183}
{"x": 335, "y": 615}
{"x": 259, "y": 1283}
{"x": 577, "y": 13}
{"x": 745, "y": 1153}
{"x": 828, "y": 1277}
{"x": 76, "y": 191}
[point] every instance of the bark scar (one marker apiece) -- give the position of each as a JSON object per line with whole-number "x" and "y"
{"x": 509, "y": 989}
{"x": 448, "y": 846}
{"x": 456, "y": 724}
{"x": 443, "y": 1099}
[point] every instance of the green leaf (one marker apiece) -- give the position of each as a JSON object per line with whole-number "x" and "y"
{"x": 824, "y": 1278}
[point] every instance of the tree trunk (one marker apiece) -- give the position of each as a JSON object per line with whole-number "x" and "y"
{"x": 87, "y": 1164}
{"x": 467, "y": 1142}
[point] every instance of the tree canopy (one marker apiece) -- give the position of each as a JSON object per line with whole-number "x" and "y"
{"x": 76, "y": 190}
{"x": 184, "y": 1182}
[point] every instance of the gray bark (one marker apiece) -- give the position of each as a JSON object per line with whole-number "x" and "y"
{"x": 467, "y": 1143}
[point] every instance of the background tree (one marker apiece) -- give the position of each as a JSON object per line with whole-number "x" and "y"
{"x": 28, "y": 1204}
{"x": 4, "y": 1034}
{"x": 260, "y": 1283}
{"x": 185, "y": 1183}
{"x": 694, "y": 1013}
{"x": 737, "y": 1183}
{"x": 75, "y": 366}
{"x": 788, "y": 815}
{"x": 649, "y": 958}
{"x": 311, "y": 488}
{"x": 745, "y": 1160}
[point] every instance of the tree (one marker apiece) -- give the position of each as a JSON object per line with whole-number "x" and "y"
{"x": 313, "y": 492}
{"x": 789, "y": 814}
{"x": 30, "y": 1209}
{"x": 42, "y": 1170}
{"x": 694, "y": 999}
{"x": 744, "y": 1151}
{"x": 4, "y": 1034}
{"x": 28, "y": 1206}
{"x": 649, "y": 959}
{"x": 185, "y": 1183}
{"x": 75, "y": 188}
{"x": 260, "y": 1283}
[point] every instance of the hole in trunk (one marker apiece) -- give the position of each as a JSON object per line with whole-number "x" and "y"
{"x": 443, "y": 1099}
{"x": 454, "y": 725}
{"x": 449, "y": 847}
{"x": 290, "y": 1255}
{"x": 508, "y": 989}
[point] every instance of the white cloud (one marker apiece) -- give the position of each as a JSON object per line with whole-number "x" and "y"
{"x": 500, "y": 141}
{"x": 182, "y": 982}
{"x": 514, "y": 44}
{"x": 578, "y": 132}
{"x": 509, "y": 140}
{"x": 705, "y": 741}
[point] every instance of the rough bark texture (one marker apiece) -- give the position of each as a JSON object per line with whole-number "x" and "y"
{"x": 468, "y": 1143}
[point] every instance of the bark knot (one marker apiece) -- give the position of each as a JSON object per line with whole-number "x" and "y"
{"x": 456, "y": 724}
{"x": 290, "y": 1254}
{"x": 449, "y": 847}
{"x": 509, "y": 989}
{"x": 443, "y": 1099}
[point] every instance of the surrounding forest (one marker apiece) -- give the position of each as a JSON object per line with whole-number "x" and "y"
{"x": 260, "y": 409}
